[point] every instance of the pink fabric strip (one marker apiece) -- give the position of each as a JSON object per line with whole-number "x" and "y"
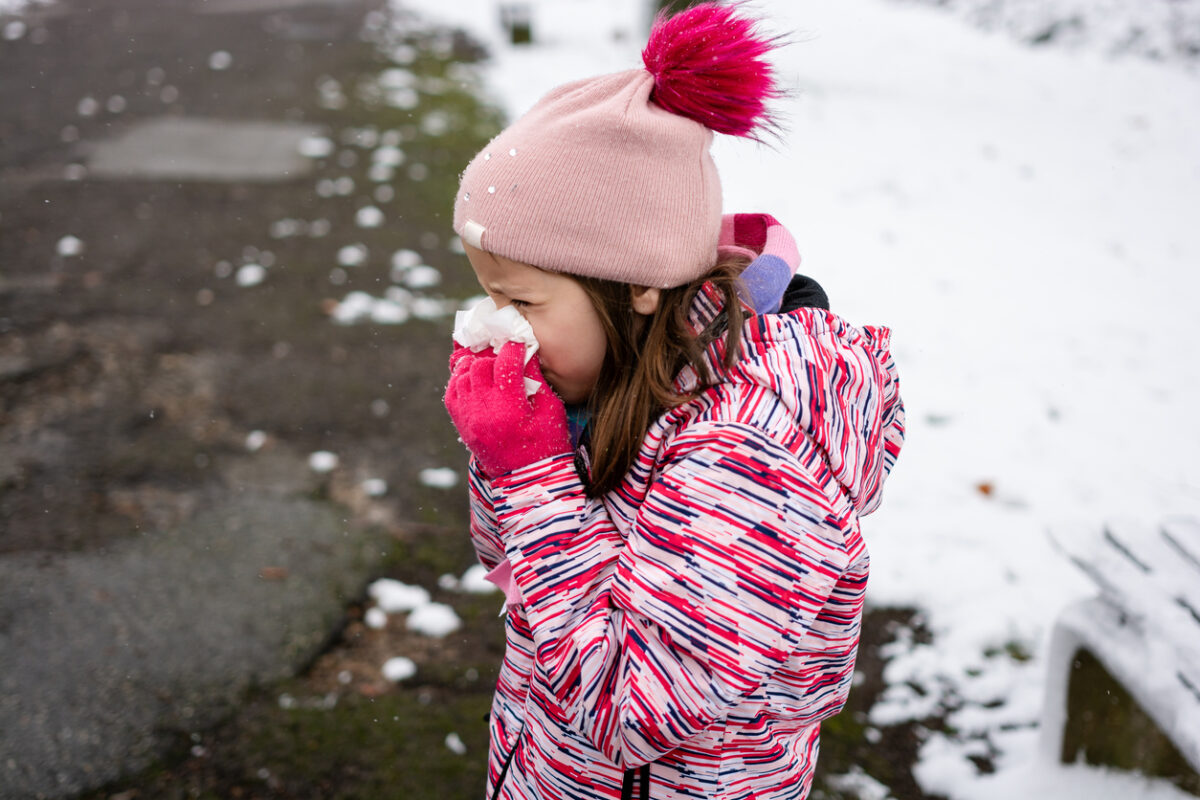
{"x": 502, "y": 577}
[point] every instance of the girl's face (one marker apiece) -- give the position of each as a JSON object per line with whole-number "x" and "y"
{"x": 570, "y": 336}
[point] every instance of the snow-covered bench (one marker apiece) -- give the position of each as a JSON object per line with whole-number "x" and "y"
{"x": 1138, "y": 640}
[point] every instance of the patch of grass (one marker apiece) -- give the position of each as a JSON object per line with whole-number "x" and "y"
{"x": 390, "y": 746}
{"x": 1016, "y": 650}
{"x": 427, "y": 553}
{"x": 360, "y": 749}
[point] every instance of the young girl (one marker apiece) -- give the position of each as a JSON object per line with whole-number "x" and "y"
{"x": 674, "y": 511}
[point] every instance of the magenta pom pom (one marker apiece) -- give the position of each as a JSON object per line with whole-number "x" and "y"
{"x": 708, "y": 65}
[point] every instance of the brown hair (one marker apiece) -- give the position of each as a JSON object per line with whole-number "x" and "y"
{"x": 644, "y": 355}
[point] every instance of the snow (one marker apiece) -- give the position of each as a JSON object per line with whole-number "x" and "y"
{"x": 375, "y": 618}
{"x": 438, "y": 477}
{"x": 250, "y": 275}
{"x": 1168, "y": 30}
{"x": 255, "y": 440}
{"x": 434, "y": 619}
{"x": 860, "y": 785}
{"x": 352, "y": 255}
{"x": 374, "y": 487}
{"x": 398, "y": 304}
{"x": 69, "y": 246}
{"x": 421, "y": 277}
{"x": 1019, "y": 217}
{"x": 424, "y": 615}
{"x": 388, "y": 156}
{"x": 359, "y": 306}
{"x": 220, "y": 60}
{"x": 393, "y": 596}
{"x": 1145, "y": 620}
{"x": 322, "y": 461}
{"x": 473, "y": 581}
{"x": 368, "y": 217}
{"x": 406, "y": 259}
{"x": 399, "y": 668}
{"x": 315, "y": 147}
{"x": 87, "y": 106}
{"x": 1024, "y": 773}
{"x": 288, "y": 227}
{"x": 455, "y": 744}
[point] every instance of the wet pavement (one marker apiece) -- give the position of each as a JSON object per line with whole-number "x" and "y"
{"x": 190, "y": 149}
{"x": 189, "y": 191}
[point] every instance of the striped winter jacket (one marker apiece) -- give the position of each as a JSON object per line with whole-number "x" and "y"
{"x": 704, "y": 617}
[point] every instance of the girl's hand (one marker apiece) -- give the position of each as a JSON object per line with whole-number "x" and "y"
{"x": 504, "y": 429}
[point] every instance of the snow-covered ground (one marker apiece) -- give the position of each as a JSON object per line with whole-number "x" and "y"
{"x": 1164, "y": 30}
{"x": 1025, "y": 219}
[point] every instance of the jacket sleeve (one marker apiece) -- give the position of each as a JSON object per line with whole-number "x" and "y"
{"x": 485, "y": 533}
{"x": 645, "y": 640}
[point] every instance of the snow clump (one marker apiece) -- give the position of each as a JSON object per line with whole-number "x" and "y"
{"x": 255, "y": 440}
{"x": 369, "y": 217}
{"x": 220, "y": 60}
{"x": 406, "y": 259}
{"x": 422, "y": 276}
{"x": 1159, "y": 30}
{"x": 393, "y": 596}
{"x": 322, "y": 461}
{"x": 439, "y": 477}
{"x": 474, "y": 582}
{"x": 434, "y": 619}
{"x": 69, "y": 246}
{"x": 315, "y": 147}
{"x": 471, "y": 582}
{"x": 374, "y": 487}
{"x": 251, "y": 275}
{"x": 352, "y": 255}
{"x": 398, "y": 669}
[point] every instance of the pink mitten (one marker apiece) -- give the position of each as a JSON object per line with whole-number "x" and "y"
{"x": 504, "y": 429}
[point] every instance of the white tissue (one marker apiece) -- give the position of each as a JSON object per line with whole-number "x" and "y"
{"x": 484, "y": 325}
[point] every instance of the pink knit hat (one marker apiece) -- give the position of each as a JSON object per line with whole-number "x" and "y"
{"x": 611, "y": 177}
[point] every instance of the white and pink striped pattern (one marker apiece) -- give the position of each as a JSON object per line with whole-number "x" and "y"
{"x": 704, "y": 617}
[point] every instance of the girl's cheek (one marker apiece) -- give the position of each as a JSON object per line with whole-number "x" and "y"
{"x": 538, "y": 331}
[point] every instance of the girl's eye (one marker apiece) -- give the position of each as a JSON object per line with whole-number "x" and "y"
{"x": 518, "y": 303}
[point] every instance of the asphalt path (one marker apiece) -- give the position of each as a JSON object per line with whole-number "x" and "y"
{"x": 164, "y": 541}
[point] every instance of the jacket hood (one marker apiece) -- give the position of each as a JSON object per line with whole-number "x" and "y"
{"x": 837, "y": 380}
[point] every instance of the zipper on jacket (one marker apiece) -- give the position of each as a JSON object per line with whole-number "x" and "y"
{"x": 643, "y": 781}
{"x": 507, "y": 763}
